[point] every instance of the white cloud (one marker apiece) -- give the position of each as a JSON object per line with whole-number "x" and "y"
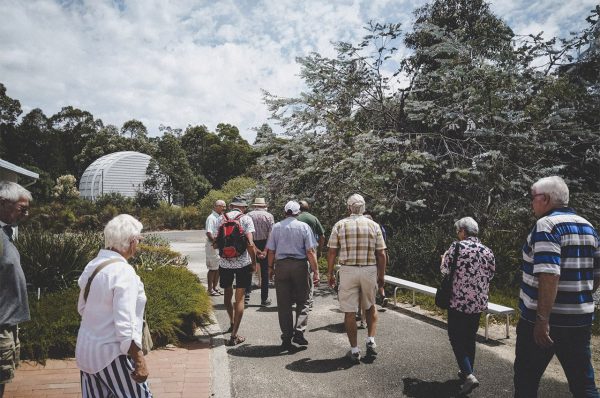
{"x": 190, "y": 62}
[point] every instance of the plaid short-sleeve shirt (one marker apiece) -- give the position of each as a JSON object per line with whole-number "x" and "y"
{"x": 356, "y": 239}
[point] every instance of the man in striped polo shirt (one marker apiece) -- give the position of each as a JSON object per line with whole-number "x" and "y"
{"x": 358, "y": 242}
{"x": 561, "y": 270}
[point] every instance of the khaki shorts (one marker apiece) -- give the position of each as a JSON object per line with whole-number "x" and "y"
{"x": 212, "y": 257}
{"x": 10, "y": 351}
{"x": 357, "y": 282}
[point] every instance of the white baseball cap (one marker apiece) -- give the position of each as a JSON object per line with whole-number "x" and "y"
{"x": 293, "y": 207}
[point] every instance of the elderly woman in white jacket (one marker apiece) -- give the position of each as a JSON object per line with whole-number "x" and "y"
{"x": 109, "y": 344}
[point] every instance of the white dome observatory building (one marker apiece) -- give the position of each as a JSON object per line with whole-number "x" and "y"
{"x": 119, "y": 172}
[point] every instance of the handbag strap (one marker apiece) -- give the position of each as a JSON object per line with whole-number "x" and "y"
{"x": 99, "y": 268}
{"x": 454, "y": 260}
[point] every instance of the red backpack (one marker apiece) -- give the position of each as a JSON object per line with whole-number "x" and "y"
{"x": 231, "y": 238}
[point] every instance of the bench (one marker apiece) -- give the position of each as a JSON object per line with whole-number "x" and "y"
{"x": 493, "y": 309}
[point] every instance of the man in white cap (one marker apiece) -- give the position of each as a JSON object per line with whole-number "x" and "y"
{"x": 359, "y": 243}
{"x": 291, "y": 250}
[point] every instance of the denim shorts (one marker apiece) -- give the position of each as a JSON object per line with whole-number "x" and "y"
{"x": 9, "y": 352}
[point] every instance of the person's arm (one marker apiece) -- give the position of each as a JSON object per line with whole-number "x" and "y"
{"x": 271, "y": 261}
{"x": 125, "y": 293}
{"x": 547, "y": 288}
{"x": 321, "y": 244}
{"x": 251, "y": 249}
{"x": 381, "y": 264}
{"x": 331, "y": 255}
{"x": 140, "y": 372}
{"x": 314, "y": 265}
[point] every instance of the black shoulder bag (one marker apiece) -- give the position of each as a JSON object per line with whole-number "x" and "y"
{"x": 444, "y": 292}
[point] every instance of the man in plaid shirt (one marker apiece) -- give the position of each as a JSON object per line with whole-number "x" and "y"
{"x": 358, "y": 242}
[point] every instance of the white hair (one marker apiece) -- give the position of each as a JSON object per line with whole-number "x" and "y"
{"x": 220, "y": 202}
{"x": 556, "y": 189}
{"x": 356, "y": 204}
{"x": 120, "y": 230}
{"x": 468, "y": 224}
{"x": 12, "y": 191}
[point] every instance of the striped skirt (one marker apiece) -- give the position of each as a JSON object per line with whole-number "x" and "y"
{"x": 114, "y": 381}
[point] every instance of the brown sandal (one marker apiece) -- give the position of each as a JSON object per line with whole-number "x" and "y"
{"x": 235, "y": 340}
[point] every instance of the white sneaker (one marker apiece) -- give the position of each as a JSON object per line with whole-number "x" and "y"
{"x": 470, "y": 384}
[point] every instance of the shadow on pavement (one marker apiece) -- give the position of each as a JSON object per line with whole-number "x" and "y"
{"x": 306, "y": 365}
{"x": 426, "y": 389}
{"x": 262, "y": 351}
{"x": 332, "y": 327}
{"x": 443, "y": 325}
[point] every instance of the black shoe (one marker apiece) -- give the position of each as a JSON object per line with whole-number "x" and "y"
{"x": 299, "y": 339}
{"x": 286, "y": 346}
{"x": 246, "y": 299}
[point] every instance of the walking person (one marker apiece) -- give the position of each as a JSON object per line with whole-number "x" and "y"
{"x": 474, "y": 266}
{"x": 263, "y": 223}
{"x": 111, "y": 304}
{"x": 359, "y": 244}
{"x": 237, "y": 261}
{"x": 561, "y": 270}
{"x": 291, "y": 251}
{"x": 212, "y": 256}
{"x": 319, "y": 232}
{"x": 14, "y": 306}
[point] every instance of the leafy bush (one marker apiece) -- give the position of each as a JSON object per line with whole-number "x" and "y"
{"x": 52, "y": 331}
{"x": 54, "y": 261}
{"x": 152, "y": 257}
{"x": 177, "y": 303}
{"x": 167, "y": 216}
{"x": 234, "y": 187}
{"x": 156, "y": 240}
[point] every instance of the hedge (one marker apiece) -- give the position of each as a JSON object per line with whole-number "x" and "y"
{"x": 177, "y": 303}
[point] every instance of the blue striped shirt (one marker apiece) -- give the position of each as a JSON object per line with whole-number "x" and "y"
{"x": 565, "y": 244}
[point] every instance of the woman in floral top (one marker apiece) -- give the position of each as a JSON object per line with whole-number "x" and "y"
{"x": 475, "y": 268}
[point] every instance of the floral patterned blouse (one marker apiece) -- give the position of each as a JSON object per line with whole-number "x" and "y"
{"x": 474, "y": 270}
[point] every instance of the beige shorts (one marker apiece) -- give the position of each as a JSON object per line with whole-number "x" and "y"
{"x": 212, "y": 257}
{"x": 357, "y": 283}
{"x": 9, "y": 353}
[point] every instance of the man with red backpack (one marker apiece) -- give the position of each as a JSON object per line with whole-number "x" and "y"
{"x": 237, "y": 260}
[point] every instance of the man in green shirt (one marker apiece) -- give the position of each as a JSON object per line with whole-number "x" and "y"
{"x": 319, "y": 232}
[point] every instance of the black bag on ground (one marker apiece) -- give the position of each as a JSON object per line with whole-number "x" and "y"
{"x": 444, "y": 292}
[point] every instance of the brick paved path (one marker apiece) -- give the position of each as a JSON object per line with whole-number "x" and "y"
{"x": 181, "y": 372}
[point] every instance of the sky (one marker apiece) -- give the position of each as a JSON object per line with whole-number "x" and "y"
{"x": 182, "y": 62}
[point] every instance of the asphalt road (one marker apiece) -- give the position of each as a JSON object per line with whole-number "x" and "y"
{"x": 415, "y": 359}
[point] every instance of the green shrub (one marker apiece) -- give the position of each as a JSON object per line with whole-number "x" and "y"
{"x": 152, "y": 257}
{"x": 234, "y": 187}
{"x": 156, "y": 240}
{"x": 177, "y": 303}
{"x": 52, "y": 331}
{"x": 53, "y": 262}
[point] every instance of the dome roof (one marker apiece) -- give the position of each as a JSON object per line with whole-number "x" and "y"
{"x": 119, "y": 172}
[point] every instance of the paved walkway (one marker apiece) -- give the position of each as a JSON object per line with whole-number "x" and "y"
{"x": 175, "y": 372}
{"x": 178, "y": 372}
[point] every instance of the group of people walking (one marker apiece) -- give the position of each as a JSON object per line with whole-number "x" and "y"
{"x": 561, "y": 270}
